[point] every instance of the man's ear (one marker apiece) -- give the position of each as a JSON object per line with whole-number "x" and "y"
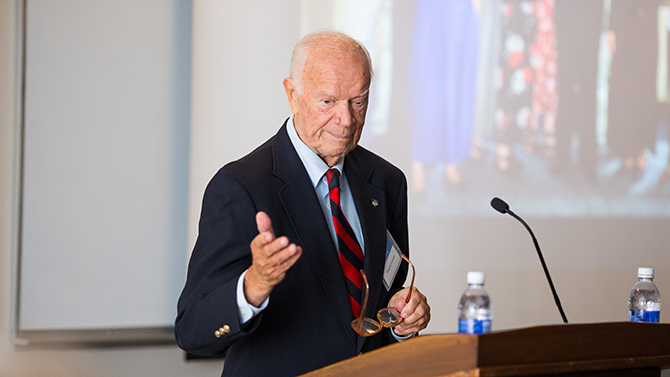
{"x": 291, "y": 94}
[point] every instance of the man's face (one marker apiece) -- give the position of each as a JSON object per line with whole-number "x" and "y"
{"x": 329, "y": 112}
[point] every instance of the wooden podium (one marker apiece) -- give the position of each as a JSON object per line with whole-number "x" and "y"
{"x": 621, "y": 349}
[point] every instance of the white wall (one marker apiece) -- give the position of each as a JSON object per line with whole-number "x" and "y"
{"x": 241, "y": 54}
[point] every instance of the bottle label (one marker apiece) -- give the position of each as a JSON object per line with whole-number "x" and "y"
{"x": 474, "y": 326}
{"x": 644, "y": 316}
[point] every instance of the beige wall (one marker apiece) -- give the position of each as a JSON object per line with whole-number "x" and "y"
{"x": 8, "y": 99}
{"x": 7, "y": 77}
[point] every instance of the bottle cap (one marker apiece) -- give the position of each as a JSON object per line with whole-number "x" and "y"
{"x": 645, "y": 272}
{"x": 475, "y": 277}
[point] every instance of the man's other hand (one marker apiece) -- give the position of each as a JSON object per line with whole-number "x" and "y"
{"x": 415, "y": 314}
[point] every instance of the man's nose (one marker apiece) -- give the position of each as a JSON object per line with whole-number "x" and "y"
{"x": 345, "y": 114}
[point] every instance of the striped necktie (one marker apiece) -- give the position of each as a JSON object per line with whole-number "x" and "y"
{"x": 349, "y": 250}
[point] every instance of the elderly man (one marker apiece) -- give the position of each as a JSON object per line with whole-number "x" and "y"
{"x": 273, "y": 279}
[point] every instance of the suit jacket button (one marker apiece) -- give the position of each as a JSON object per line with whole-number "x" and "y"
{"x": 222, "y": 331}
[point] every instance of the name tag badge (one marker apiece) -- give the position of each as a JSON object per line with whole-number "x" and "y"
{"x": 393, "y": 260}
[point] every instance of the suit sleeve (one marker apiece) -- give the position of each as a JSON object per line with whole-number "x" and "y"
{"x": 221, "y": 254}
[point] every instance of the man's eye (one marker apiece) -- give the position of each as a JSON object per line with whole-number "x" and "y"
{"x": 327, "y": 101}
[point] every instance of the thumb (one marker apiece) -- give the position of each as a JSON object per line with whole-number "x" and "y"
{"x": 264, "y": 223}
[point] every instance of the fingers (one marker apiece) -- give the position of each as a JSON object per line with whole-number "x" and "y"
{"x": 264, "y": 224}
{"x": 272, "y": 259}
{"x": 416, "y": 313}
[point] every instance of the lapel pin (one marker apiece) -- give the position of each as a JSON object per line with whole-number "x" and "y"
{"x": 375, "y": 202}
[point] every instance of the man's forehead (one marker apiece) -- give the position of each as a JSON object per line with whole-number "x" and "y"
{"x": 338, "y": 59}
{"x": 325, "y": 92}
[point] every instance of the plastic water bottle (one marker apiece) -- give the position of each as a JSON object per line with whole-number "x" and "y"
{"x": 474, "y": 309}
{"x": 644, "y": 303}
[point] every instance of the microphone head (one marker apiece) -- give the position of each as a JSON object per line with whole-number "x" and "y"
{"x": 499, "y": 205}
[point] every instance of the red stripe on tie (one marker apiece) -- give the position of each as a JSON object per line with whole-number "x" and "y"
{"x": 335, "y": 196}
{"x": 351, "y": 244}
{"x": 351, "y": 272}
{"x": 355, "y": 306}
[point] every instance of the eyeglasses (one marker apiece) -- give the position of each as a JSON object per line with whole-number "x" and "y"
{"x": 388, "y": 317}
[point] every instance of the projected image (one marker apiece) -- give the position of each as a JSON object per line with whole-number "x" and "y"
{"x": 558, "y": 106}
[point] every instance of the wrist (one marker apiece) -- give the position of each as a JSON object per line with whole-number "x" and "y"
{"x": 255, "y": 290}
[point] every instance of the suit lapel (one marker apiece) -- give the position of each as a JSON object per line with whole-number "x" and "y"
{"x": 371, "y": 207}
{"x": 300, "y": 204}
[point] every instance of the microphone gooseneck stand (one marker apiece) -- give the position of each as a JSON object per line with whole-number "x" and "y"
{"x": 502, "y": 207}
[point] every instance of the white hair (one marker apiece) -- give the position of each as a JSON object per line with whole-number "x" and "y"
{"x": 326, "y": 40}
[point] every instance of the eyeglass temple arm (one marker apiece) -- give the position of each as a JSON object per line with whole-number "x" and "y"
{"x": 365, "y": 302}
{"x": 411, "y": 286}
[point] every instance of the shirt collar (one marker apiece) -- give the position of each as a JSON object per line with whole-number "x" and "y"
{"x": 315, "y": 166}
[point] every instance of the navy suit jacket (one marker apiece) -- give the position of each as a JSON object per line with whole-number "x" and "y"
{"x": 307, "y": 323}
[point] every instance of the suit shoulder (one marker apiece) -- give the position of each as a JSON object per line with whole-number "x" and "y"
{"x": 378, "y": 163}
{"x": 257, "y": 163}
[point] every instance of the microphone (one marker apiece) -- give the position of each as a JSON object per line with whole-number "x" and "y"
{"x": 499, "y": 205}
{"x": 502, "y": 207}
